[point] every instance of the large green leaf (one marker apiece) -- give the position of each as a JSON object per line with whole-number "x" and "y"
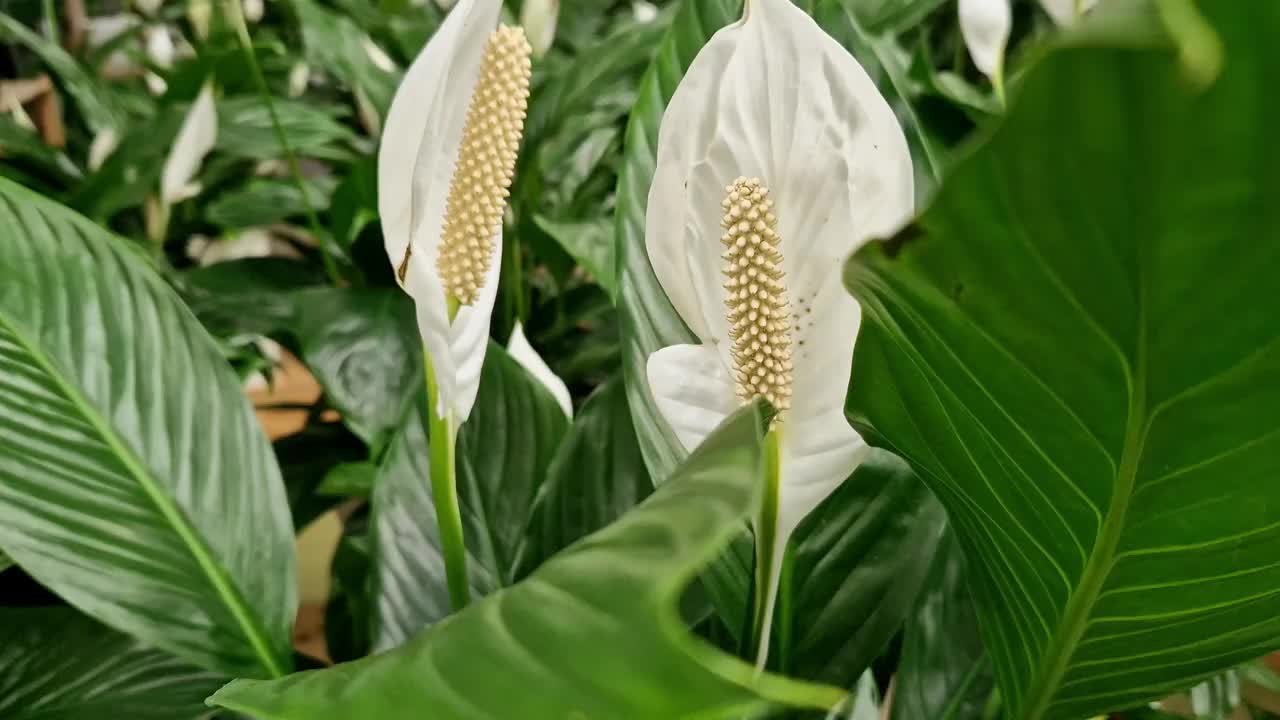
{"x": 134, "y": 479}
{"x": 56, "y": 664}
{"x": 945, "y": 672}
{"x": 1078, "y": 348}
{"x": 362, "y": 346}
{"x": 572, "y": 503}
{"x": 504, "y": 450}
{"x": 593, "y": 633}
{"x": 860, "y": 559}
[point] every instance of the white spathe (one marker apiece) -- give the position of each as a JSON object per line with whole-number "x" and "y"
{"x": 774, "y": 97}
{"x": 195, "y": 139}
{"x": 420, "y": 140}
{"x": 539, "y": 18}
{"x": 522, "y": 352}
{"x": 985, "y": 25}
{"x": 1066, "y": 12}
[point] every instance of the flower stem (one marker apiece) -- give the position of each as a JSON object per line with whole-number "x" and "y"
{"x": 766, "y": 529}
{"x": 444, "y": 493}
{"x": 236, "y": 17}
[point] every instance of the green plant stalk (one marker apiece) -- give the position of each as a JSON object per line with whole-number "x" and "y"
{"x": 513, "y": 281}
{"x": 444, "y": 492}
{"x": 786, "y": 616}
{"x": 236, "y": 16}
{"x": 51, "y": 22}
{"x": 766, "y": 535}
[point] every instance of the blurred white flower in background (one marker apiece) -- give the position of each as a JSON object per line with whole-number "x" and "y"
{"x": 524, "y": 353}
{"x": 195, "y": 139}
{"x": 539, "y": 17}
{"x": 985, "y": 25}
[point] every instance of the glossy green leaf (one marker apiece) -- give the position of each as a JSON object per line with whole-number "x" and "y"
{"x": 504, "y": 450}
{"x": 362, "y": 346}
{"x": 20, "y": 142}
{"x": 593, "y": 633}
{"x": 860, "y": 559}
{"x": 262, "y": 202}
{"x": 891, "y": 16}
{"x": 56, "y": 664}
{"x": 245, "y": 130}
{"x": 591, "y": 243}
{"x": 350, "y": 479}
{"x": 337, "y": 45}
{"x": 596, "y": 476}
{"x": 944, "y": 672}
{"x": 134, "y": 479}
{"x": 1077, "y": 348}
{"x": 6, "y": 562}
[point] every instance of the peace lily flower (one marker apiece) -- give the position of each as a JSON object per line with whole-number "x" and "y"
{"x": 524, "y": 353}
{"x": 444, "y": 172}
{"x": 195, "y": 139}
{"x": 777, "y": 158}
{"x": 985, "y": 26}
{"x": 538, "y": 18}
{"x": 444, "y": 169}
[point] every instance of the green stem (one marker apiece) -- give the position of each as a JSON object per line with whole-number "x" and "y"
{"x": 235, "y": 15}
{"x": 766, "y": 537}
{"x": 51, "y": 22}
{"x": 513, "y": 283}
{"x": 444, "y": 493}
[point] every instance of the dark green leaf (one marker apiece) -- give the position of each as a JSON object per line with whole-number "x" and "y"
{"x": 596, "y": 476}
{"x": 19, "y": 142}
{"x": 245, "y": 130}
{"x": 134, "y": 479}
{"x": 504, "y": 450}
{"x": 1077, "y": 348}
{"x": 861, "y": 558}
{"x": 306, "y": 457}
{"x": 891, "y": 16}
{"x": 336, "y": 44}
{"x": 262, "y": 202}
{"x": 592, "y": 633}
{"x": 56, "y": 664}
{"x": 590, "y": 242}
{"x": 944, "y": 673}
{"x": 352, "y": 479}
{"x": 362, "y": 346}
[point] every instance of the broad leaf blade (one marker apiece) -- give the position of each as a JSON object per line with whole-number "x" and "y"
{"x": 945, "y": 672}
{"x": 56, "y": 664}
{"x": 860, "y": 560}
{"x": 593, "y": 633}
{"x": 134, "y": 479}
{"x": 596, "y": 476}
{"x": 1078, "y": 349}
{"x": 504, "y": 450}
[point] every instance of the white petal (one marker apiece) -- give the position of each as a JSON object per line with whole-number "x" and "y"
{"x": 469, "y": 337}
{"x": 1066, "y": 12}
{"x": 254, "y": 10}
{"x": 985, "y": 25}
{"x": 147, "y": 7}
{"x": 773, "y": 97}
{"x": 104, "y": 143}
{"x": 692, "y": 389}
{"x": 160, "y": 48}
{"x": 195, "y": 139}
{"x": 299, "y": 78}
{"x": 529, "y": 358}
{"x": 423, "y": 129}
{"x": 377, "y": 55}
{"x": 538, "y": 18}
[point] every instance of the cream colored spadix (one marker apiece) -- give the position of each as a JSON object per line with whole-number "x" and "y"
{"x": 777, "y": 158}
{"x": 444, "y": 170}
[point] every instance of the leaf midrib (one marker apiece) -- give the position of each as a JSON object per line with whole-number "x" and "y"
{"x": 1075, "y": 617}
{"x": 167, "y": 508}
